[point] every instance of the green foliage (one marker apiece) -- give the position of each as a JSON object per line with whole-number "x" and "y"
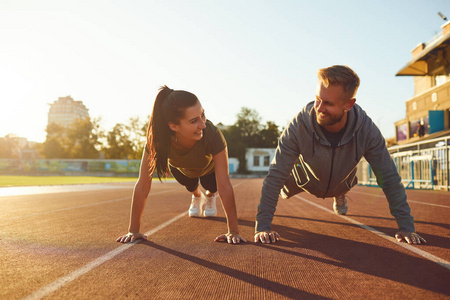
{"x": 137, "y": 132}
{"x": 268, "y": 136}
{"x": 55, "y": 145}
{"x": 86, "y": 139}
{"x": 248, "y": 132}
{"x": 119, "y": 145}
{"x": 237, "y": 145}
{"x": 82, "y": 139}
{"x": 126, "y": 141}
{"x": 76, "y": 141}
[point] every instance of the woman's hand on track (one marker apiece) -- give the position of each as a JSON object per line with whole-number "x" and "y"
{"x": 131, "y": 237}
{"x": 230, "y": 238}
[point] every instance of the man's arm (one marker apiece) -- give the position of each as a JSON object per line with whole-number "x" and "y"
{"x": 389, "y": 180}
{"x": 281, "y": 166}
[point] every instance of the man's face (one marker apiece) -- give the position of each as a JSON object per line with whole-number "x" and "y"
{"x": 331, "y": 107}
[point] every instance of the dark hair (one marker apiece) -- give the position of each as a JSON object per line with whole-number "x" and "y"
{"x": 340, "y": 75}
{"x": 169, "y": 107}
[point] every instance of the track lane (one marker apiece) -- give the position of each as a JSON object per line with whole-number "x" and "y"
{"x": 370, "y": 207}
{"x": 320, "y": 255}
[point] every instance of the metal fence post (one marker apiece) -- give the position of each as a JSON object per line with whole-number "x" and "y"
{"x": 431, "y": 172}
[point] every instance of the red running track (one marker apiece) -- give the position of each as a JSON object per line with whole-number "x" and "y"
{"x": 59, "y": 243}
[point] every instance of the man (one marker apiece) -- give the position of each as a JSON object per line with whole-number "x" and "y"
{"x": 319, "y": 150}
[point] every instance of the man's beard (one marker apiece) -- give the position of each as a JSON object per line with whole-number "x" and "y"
{"x": 329, "y": 120}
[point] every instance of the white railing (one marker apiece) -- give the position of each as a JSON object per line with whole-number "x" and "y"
{"x": 422, "y": 165}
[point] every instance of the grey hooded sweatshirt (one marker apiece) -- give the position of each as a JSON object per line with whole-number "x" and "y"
{"x": 328, "y": 172}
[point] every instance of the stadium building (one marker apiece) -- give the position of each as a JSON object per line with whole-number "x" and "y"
{"x": 65, "y": 111}
{"x": 428, "y": 111}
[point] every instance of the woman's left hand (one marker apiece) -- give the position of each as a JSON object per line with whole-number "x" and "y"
{"x": 230, "y": 238}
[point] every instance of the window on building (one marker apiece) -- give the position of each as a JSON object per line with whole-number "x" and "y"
{"x": 413, "y": 127}
{"x": 440, "y": 79}
{"x": 256, "y": 161}
{"x": 266, "y": 161}
{"x": 426, "y": 124}
{"x": 419, "y": 127}
{"x": 402, "y": 132}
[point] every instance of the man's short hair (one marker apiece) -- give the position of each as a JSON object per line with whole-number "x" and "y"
{"x": 340, "y": 75}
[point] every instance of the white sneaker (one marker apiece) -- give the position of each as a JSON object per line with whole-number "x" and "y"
{"x": 195, "y": 210}
{"x": 210, "y": 206}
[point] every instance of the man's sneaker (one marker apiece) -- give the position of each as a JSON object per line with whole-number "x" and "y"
{"x": 340, "y": 206}
{"x": 210, "y": 206}
{"x": 195, "y": 210}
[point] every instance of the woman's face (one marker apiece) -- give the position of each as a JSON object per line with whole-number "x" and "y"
{"x": 192, "y": 125}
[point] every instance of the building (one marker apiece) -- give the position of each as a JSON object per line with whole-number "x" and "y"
{"x": 233, "y": 165}
{"x": 222, "y": 127}
{"x": 13, "y": 146}
{"x": 430, "y": 106}
{"x": 421, "y": 146}
{"x": 65, "y": 111}
{"x": 258, "y": 159}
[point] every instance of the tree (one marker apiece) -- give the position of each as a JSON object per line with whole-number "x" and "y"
{"x": 82, "y": 139}
{"x": 236, "y": 146}
{"x": 268, "y": 137}
{"x": 119, "y": 145}
{"x": 248, "y": 124}
{"x": 137, "y": 132}
{"x": 247, "y": 132}
{"x": 126, "y": 141}
{"x": 54, "y": 145}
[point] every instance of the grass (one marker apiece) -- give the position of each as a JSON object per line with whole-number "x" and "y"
{"x": 57, "y": 180}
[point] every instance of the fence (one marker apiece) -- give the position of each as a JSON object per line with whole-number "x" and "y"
{"x": 99, "y": 167}
{"x": 422, "y": 165}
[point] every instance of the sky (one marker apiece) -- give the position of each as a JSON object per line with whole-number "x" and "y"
{"x": 264, "y": 55}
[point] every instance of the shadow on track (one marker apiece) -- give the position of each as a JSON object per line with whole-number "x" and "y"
{"x": 433, "y": 240}
{"x": 272, "y": 286}
{"x": 366, "y": 258}
{"x": 442, "y": 225}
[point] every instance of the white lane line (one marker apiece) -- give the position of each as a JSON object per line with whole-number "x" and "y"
{"x": 66, "y": 188}
{"x": 431, "y": 204}
{"x": 75, "y": 207}
{"x": 59, "y": 283}
{"x": 54, "y": 189}
{"x": 409, "y": 247}
{"x": 238, "y": 184}
{"x": 63, "y": 209}
{"x": 412, "y": 201}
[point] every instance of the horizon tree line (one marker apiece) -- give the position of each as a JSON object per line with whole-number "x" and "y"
{"x": 86, "y": 139}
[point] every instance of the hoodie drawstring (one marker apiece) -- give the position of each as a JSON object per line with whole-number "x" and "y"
{"x": 313, "y": 148}
{"x": 356, "y": 146}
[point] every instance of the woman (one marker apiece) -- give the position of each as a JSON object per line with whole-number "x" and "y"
{"x": 181, "y": 141}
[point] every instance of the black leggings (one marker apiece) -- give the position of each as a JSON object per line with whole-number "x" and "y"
{"x": 191, "y": 184}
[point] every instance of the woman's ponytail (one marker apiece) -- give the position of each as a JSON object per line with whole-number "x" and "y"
{"x": 158, "y": 136}
{"x": 169, "y": 107}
